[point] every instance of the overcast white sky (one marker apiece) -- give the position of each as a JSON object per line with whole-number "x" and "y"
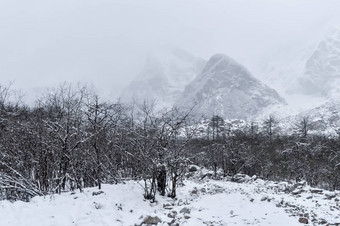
{"x": 45, "y": 42}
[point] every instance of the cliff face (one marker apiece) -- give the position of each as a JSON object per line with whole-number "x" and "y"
{"x": 322, "y": 70}
{"x": 228, "y": 89}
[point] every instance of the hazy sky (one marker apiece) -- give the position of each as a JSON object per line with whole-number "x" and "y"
{"x": 104, "y": 42}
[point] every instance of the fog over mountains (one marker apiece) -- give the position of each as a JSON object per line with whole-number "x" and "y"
{"x": 221, "y": 86}
{"x": 322, "y": 69}
{"x": 308, "y": 77}
{"x": 225, "y": 87}
{"x": 162, "y": 79}
{"x": 228, "y": 89}
{"x": 289, "y": 46}
{"x": 172, "y": 112}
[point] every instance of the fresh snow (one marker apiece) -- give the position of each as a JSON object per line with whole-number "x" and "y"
{"x": 199, "y": 202}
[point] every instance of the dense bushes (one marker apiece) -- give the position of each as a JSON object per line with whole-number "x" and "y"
{"x": 71, "y": 139}
{"x": 315, "y": 158}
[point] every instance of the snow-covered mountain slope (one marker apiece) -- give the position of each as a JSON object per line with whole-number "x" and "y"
{"x": 250, "y": 201}
{"x": 163, "y": 78}
{"x": 325, "y": 118}
{"x": 303, "y": 71}
{"x": 322, "y": 70}
{"x": 307, "y": 75}
{"x": 282, "y": 68}
{"x": 228, "y": 89}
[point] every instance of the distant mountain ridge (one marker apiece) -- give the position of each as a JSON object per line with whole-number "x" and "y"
{"x": 227, "y": 88}
{"x": 322, "y": 69}
{"x": 222, "y": 86}
{"x": 163, "y": 78}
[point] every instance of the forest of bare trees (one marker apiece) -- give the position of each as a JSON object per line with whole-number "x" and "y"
{"x": 72, "y": 139}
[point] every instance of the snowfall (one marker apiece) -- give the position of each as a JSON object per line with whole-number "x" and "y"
{"x": 241, "y": 200}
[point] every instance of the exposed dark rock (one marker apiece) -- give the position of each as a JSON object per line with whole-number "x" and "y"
{"x": 203, "y": 190}
{"x": 167, "y": 206}
{"x": 149, "y": 220}
{"x": 264, "y": 198}
{"x": 193, "y": 168}
{"x": 322, "y": 221}
{"x": 330, "y": 196}
{"x": 185, "y": 210}
{"x": 173, "y": 223}
{"x": 171, "y": 215}
{"x": 303, "y": 220}
{"x": 316, "y": 191}
{"x": 97, "y": 193}
{"x": 194, "y": 192}
{"x": 297, "y": 191}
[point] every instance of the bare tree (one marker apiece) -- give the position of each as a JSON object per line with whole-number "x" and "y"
{"x": 178, "y": 132}
{"x": 102, "y": 117}
{"x": 65, "y": 107}
{"x": 218, "y": 127}
{"x": 304, "y": 126}
{"x": 270, "y": 126}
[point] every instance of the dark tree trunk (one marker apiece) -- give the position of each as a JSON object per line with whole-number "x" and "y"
{"x": 161, "y": 180}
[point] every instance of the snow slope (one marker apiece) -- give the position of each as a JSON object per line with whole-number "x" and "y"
{"x": 307, "y": 75}
{"x": 322, "y": 69}
{"x": 199, "y": 202}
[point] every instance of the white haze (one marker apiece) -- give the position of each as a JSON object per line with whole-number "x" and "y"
{"x": 105, "y": 42}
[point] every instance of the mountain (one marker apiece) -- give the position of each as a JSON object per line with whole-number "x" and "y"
{"x": 319, "y": 82}
{"x": 163, "y": 78}
{"x": 228, "y": 89}
{"x": 282, "y": 68}
{"x": 305, "y": 72}
{"x": 325, "y": 118}
{"x": 322, "y": 69}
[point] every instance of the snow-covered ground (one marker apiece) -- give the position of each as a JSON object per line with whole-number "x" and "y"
{"x": 199, "y": 202}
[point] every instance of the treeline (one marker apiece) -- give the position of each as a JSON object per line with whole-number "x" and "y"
{"x": 72, "y": 139}
{"x": 315, "y": 159}
{"x": 262, "y": 149}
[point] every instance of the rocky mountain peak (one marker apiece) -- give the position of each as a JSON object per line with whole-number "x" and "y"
{"x": 322, "y": 69}
{"x": 227, "y": 88}
{"x": 220, "y": 62}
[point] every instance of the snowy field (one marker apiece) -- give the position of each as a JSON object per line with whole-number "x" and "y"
{"x": 199, "y": 202}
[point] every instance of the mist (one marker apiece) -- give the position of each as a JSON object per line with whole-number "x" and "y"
{"x": 172, "y": 112}
{"x": 105, "y": 42}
